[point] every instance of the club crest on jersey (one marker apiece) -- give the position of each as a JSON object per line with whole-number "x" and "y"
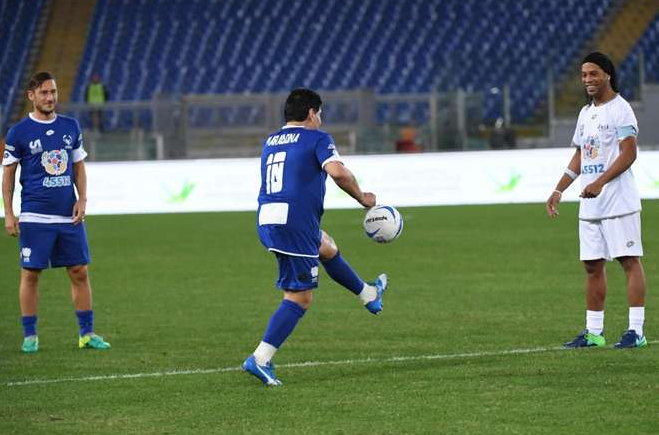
{"x": 55, "y": 161}
{"x": 67, "y": 139}
{"x": 592, "y": 148}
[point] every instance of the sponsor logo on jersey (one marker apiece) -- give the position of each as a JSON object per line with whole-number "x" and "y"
{"x": 591, "y": 149}
{"x": 55, "y": 161}
{"x": 35, "y": 146}
{"x": 50, "y": 132}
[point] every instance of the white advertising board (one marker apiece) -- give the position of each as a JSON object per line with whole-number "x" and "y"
{"x": 480, "y": 177}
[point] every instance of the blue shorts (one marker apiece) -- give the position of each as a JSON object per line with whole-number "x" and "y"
{"x": 297, "y": 273}
{"x": 52, "y": 245}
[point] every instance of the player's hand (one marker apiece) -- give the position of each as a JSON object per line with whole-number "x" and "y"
{"x": 368, "y": 200}
{"x": 552, "y": 204}
{"x": 592, "y": 190}
{"x": 11, "y": 225}
{"x": 79, "y": 211}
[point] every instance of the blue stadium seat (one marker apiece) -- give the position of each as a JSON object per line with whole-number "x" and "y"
{"x": 233, "y": 46}
{"x": 18, "y": 22}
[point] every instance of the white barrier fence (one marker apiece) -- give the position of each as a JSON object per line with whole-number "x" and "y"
{"x": 481, "y": 177}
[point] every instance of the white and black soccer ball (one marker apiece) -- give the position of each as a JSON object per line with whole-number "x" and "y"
{"x": 383, "y": 223}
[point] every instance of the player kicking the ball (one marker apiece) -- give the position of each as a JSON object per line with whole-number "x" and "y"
{"x": 51, "y": 226}
{"x": 294, "y": 166}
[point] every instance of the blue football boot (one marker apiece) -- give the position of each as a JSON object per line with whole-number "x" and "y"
{"x": 631, "y": 339}
{"x": 375, "y": 306}
{"x": 265, "y": 373}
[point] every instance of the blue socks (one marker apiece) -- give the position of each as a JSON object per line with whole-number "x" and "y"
{"x": 29, "y": 325}
{"x": 86, "y": 321}
{"x": 282, "y": 323}
{"x": 340, "y": 271}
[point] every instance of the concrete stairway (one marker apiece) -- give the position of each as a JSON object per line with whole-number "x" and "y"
{"x": 616, "y": 38}
{"x": 64, "y": 42}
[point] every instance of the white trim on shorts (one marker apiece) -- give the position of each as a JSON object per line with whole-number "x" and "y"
{"x": 39, "y": 218}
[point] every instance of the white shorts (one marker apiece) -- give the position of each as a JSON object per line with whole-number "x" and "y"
{"x": 611, "y": 238}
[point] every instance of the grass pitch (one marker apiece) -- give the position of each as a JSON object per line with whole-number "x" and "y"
{"x": 487, "y": 293}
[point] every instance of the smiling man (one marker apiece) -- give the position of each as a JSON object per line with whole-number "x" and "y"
{"x": 50, "y": 227}
{"x": 610, "y": 206}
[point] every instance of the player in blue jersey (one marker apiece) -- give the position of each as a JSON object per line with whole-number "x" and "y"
{"x": 50, "y": 228}
{"x": 294, "y": 166}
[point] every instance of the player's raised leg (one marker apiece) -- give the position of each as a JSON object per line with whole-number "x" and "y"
{"x": 29, "y": 300}
{"x": 81, "y": 295}
{"x": 340, "y": 271}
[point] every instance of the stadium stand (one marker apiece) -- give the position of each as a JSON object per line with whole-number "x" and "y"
{"x": 241, "y": 46}
{"x": 647, "y": 45}
{"x": 18, "y": 21}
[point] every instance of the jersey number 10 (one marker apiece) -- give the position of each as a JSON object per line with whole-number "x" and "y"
{"x": 274, "y": 174}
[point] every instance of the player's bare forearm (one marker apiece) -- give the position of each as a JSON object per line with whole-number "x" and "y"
{"x": 622, "y": 162}
{"x": 344, "y": 178}
{"x": 574, "y": 166}
{"x": 564, "y": 182}
{"x": 8, "y": 184}
{"x": 80, "y": 180}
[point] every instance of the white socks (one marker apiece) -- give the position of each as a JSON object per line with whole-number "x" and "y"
{"x": 368, "y": 294}
{"x": 264, "y": 353}
{"x": 595, "y": 322}
{"x": 636, "y": 319}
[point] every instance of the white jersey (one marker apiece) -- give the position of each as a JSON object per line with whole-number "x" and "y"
{"x": 599, "y": 131}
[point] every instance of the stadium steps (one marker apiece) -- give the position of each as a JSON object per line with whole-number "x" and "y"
{"x": 617, "y": 36}
{"x": 19, "y": 103}
{"x": 64, "y": 42}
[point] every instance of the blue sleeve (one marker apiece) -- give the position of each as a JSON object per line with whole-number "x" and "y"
{"x": 78, "y": 134}
{"x": 13, "y": 151}
{"x": 326, "y": 150}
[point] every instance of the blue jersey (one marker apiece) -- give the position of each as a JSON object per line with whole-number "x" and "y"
{"x": 46, "y": 151}
{"x": 293, "y": 189}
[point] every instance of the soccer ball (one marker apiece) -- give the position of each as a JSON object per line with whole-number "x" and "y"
{"x": 383, "y": 223}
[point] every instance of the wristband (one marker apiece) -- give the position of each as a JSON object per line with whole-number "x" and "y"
{"x": 570, "y": 173}
{"x": 559, "y": 192}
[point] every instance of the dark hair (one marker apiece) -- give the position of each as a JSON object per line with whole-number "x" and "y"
{"x": 299, "y": 102}
{"x": 38, "y": 79}
{"x": 604, "y": 62}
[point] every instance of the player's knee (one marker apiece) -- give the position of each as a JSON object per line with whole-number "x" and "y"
{"x": 629, "y": 263}
{"x": 328, "y": 248}
{"x": 78, "y": 273}
{"x": 594, "y": 267}
{"x": 303, "y": 299}
{"x": 30, "y": 276}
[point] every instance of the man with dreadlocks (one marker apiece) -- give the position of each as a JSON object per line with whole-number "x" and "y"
{"x": 610, "y": 206}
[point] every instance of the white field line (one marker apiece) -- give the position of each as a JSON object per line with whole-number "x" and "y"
{"x": 347, "y": 362}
